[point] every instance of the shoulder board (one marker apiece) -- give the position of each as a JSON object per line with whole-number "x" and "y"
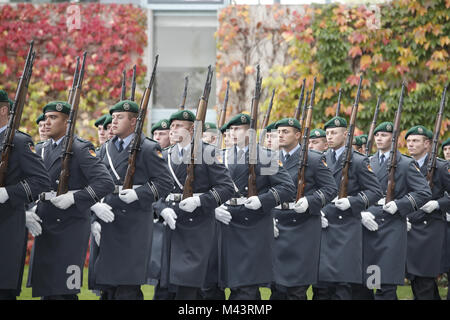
{"x": 408, "y": 156}
{"x": 26, "y": 134}
{"x": 151, "y": 139}
{"x": 40, "y": 142}
{"x": 82, "y": 140}
{"x": 361, "y": 154}
{"x": 316, "y": 152}
{"x": 441, "y": 160}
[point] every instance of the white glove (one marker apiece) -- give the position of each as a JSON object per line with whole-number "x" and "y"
{"x": 342, "y": 204}
{"x": 430, "y": 206}
{"x": 128, "y": 195}
{"x": 334, "y": 200}
{"x": 368, "y": 221}
{"x": 32, "y": 222}
{"x": 381, "y": 202}
{"x": 169, "y": 217}
{"x": 63, "y": 201}
{"x": 448, "y": 216}
{"x": 103, "y": 211}
{"x": 253, "y": 203}
{"x": 408, "y": 225}
{"x": 96, "y": 229}
{"x": 3, "y": 195}
{"x": 222, "y": 214}
{"x": 190, "y": 204}
{"x": 390, "y": 207}
{"x": 301, "y": 205}
{"x": 276, "y": 232}
{"x": 323, "y": 220}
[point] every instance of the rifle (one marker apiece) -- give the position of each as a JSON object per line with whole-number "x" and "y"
{"x": 63, "y": 185}
{"x": 392, "y": 163}
{"x": 196, "y": 142}
{"x": 133, "y": 84}
{"x": 124, "y": 86}
{"x": 303, "y": 161}
{"x": 266, "y": 119}
{"x": 15, "y": 113}
{"x": 300, "y": 101}
{"x": 348, "y": 145}
{"x": 223, "y": 114}
{"x": 252, "y": 190}
{"x": 75, "y": 81}
{"x": 372, "y": 128}
{"x": 431, "y": 165}
{"x": 183, "y": 99}
{"x": 302, "y": 118}
{"x": 136, "y": 143}
{"x": 338, "y": 108}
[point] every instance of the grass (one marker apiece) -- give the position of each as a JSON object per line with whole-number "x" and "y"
{"x": 403, "y": 292}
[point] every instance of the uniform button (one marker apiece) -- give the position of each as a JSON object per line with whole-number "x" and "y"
{"x": 425, "y": 222}
{"x": 246, "y": 218}
{"x": 190, "y": 219}
{"x": 58, "y": 220}
{"x": 246, "y": 188}
{"x": 294, "y": 220}
{"x": 124, "y": 210}
{"x": 173, "y": 203}
{"x": 382, "y": 219}
{"x": 276, "y": 220}
{"x": 340, "y": 217}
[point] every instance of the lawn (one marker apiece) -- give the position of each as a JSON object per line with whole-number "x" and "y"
{"x": 403, "y": 292}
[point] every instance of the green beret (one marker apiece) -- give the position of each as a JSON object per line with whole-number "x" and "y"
{"x": 446, "y": 143}
{"x": 125, "y": 106}
{"x": 3, "y": 96}
{"x": 184, "y": 115}
{"x": 57, "y": 106}
{"x": 237, "y": 120}
{"x": 364, "y": 138}
{"x": 271, "y": 126}
{"x": 224, "y": 127}
{"x": 357, "y": 140}
{"x": 100, "y": 120}
{"x": 384, "y": 127}
{"x": 40, "y": 118}
{"x": 288, "y": 122}
{"x": 107, "y": 121}
{"x": 419, "y": 130}
{"x": 209, "y": 125}
{"x": 336, "y": 122}
{"x": 317, "y": 133}
{"x": 162, "y": 124}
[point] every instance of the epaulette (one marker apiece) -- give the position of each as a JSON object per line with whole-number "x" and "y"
{"x": 26, "y": 134}
{"x": 151, "y": 139}
{"x": 362, "y": 154}
{"x": 315, "y": 151}
{"x": 441, "y": 160}
{"x": 82, "y": 140}
{"x": 40, "y": 142}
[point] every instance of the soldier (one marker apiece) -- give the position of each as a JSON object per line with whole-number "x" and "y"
{"x": 428, "y": 227}
{"x": 363, "y": 138}
{"x": 385, "y": 229}
{"x": 101, "y": 130}
{"x": 124, "y": 244}
{"x": 318, "y": 140}
{"x": 341, "y": 242}
{"x": 271, "y": 141}
{"x": 108, "y": 127}
{"x": 40, "y": 121}
{"x": 446, "y": 149}
{"x": 357, "y": 144}
{"x": 297, "y": 247}
{"x": 210, "y": 133}
{"x": 160, "y": 133}
{"x": 446, "y": 250}
{"x": 61, "y": 248}
{"x": 246, "y": 235}
{"x": 191, "y": 229}
{"x": 26, "y": 178}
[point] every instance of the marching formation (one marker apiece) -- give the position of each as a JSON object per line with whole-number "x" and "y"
{"x": 203, "y": 206}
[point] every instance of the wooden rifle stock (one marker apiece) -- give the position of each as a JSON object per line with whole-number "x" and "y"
{"x": 124, "y": 86}
{"x": 348, "y": 146}
{"x": 196, "y": 143}
{"x": 252, "y": 190}
{"x": 63, "y": 184}
{"x": 183, "y": 98}
{"x": 74, "y": 82}
{"x": 338, "y": 108}
{"x": 300, "y": 101}
{"x": 15, "y": 114}
{"x": 303, "y": 161}
{"x": 431, "y": 165}
{"x": 136, "y": 143}
{"x": 133, "y": 84}
{"x": 392, "y": 162}
{"x": 223, "y": 114}
{"x": 372, "y": 128}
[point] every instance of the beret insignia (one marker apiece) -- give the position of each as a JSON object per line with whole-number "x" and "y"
{"x": 59, "y": 107}
{"x": 126, "y": 106}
